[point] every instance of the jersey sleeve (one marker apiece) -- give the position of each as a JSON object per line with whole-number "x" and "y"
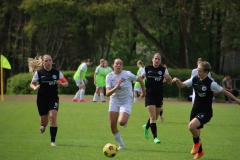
{"x": 97, "y": 70}
{"x": 35, "y": 77}
{"x": 166, "y": 71}
{"x": 215, "y": 87}
{"x": 188, "y": 82}
{"x": 143, "y": 73}
{"x": 132, "y": 76}
{"x": 61, "y": 77}
{"x": 108, "y": 81}
{"x": 83, "y": 66}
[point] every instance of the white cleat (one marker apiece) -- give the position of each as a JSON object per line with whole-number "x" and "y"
{"x": 121, "y": 148}
{"x": 53, "y": 144}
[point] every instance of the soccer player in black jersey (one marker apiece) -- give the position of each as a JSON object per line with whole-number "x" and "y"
{"x": 154, "y": 74}
{"x": 48, "y": 80}
{"x": 202, "y": 112}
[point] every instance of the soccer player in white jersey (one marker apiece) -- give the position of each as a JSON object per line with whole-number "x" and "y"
{"x": 119, "y": 88}
{"x": 202, "y": 112}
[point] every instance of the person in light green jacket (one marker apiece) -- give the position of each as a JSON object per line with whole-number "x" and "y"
{"x": 99, "y": 81}
{"x": 81, "y": 81}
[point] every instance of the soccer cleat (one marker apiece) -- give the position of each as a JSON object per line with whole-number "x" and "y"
{"x": 162, "y": 118}
{"x": 145, "y": 131}
{"x": 53, "y": 144}
{"x": 121, "y": 147}
{"x": 198, "y": 155}
{"x": 82, "y": 100}
{"x": 195, "y": 148}
{"x": 156, "y": 140}
{"x": 74, "y": 100}
{"x": 42, "y": 129}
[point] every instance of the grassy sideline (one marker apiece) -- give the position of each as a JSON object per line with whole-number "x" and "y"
{"x": 84, "y": 130}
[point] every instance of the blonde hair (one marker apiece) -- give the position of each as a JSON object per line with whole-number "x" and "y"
{"x": 205, "y": 65}
{"x": 140, "y": 63}
{"x": 35, "y": 64}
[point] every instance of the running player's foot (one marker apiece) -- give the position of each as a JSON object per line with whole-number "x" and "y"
{"x": 162, "y": 119}
{"x": 198, "y": 155}
{"x": 53, "y": 144}
{"x": 82, "y": 100}
{"x": 121, "y": 147}
{"x": 145, "y": 131}
{"x": 156, "y": 140}
{"x": 42, "y": 129}
{"x": 74, "y": 100}
{"x": 195, "y": 148}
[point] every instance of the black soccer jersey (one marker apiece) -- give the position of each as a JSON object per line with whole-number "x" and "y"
{"x": 204, "y": 94}
{"x": 47, "y": 81}
{"x": 154, "y": 79}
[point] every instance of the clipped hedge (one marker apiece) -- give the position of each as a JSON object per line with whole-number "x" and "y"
{"x": 19, "y": 84}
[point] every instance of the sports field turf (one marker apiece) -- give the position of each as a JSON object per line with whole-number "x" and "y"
{"x": 84, "y": 130}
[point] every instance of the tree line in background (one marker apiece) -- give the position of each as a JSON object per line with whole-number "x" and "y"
{"x": 74, "y": 30}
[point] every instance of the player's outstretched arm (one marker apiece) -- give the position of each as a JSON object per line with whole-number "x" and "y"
{"x": 178, "y": 82}
{"x": 230, "y": 95}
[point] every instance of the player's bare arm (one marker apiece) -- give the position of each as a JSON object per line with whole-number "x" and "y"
{"x": 168, "y": 78}
{"x": 178, "y": 83}
{"x": 231, "y": 96}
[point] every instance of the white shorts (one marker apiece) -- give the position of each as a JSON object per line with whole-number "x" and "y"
{"x": 78, "y": 83}
{"x": 137, "y": 89}
{"x": 114, "y": 107}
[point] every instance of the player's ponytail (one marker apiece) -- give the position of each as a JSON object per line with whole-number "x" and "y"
{"x": 35, "y": 64}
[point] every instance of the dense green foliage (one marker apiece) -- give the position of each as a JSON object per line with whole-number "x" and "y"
{"x": 83, "y": 130}
{"x": 74, "y": 30}
{"x": 19, "y": 84}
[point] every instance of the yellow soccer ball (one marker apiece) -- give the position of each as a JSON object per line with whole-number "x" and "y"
{"x": 110, "y": 150}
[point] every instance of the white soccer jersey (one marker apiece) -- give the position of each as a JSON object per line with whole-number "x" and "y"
{"x": 124, "y": 93}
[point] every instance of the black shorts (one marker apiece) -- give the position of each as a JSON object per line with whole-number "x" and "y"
{"x": 45, "y": 104}
{"x": 202, "y": 117}
{"x": 154, "y": 99}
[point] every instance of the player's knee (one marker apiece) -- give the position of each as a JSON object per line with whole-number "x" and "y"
{"x": 122, "y": 123}
{"x": 191, "y": 126}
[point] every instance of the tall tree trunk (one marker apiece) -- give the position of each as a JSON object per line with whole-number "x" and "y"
{"x": 159, "y": 46}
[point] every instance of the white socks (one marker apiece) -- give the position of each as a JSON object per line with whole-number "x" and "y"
{"x": 95, "y": 97}
{"x": 77, "y": 95}
{"x": 82, "y": 92}
{"x": 118, "y": 138}
{"x": 102, "y": 96}
{"x": 135, "y": 100}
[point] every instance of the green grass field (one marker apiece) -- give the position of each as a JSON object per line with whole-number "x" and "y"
{"x": 84, "y": 130}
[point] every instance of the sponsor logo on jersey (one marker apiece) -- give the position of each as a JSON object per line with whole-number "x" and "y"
{"x": 160, "y": 72}
{"x": 54, "y": 77}
{"x": 204, "y": 88}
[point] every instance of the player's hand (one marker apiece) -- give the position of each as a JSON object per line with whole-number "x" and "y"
{"x": 175, "y": 80}
{"x": 37, "y": 87}
{"x": 167, "y": 76}
{"x": 142, "y": 94}
{"x": 119, "y": 83}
